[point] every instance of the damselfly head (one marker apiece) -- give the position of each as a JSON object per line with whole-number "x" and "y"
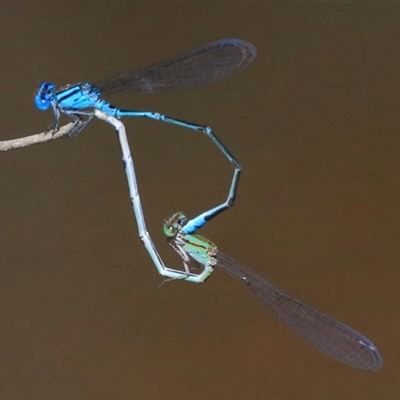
{"x": 45, "y": 95}
{"x": 173, "y": 225}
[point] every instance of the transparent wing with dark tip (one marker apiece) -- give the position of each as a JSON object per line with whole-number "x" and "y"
{"x": 326, "y": 334}
{"x": 207, "y": 64}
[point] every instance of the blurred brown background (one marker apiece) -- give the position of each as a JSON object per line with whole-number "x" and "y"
{"x": 315, "y": 123}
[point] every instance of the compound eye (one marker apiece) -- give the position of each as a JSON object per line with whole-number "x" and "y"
{"x": 42, "y": 104}
{"x": 169, "y": 230}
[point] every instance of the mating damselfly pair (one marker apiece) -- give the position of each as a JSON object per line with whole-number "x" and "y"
{"x": 198, "y": 67}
